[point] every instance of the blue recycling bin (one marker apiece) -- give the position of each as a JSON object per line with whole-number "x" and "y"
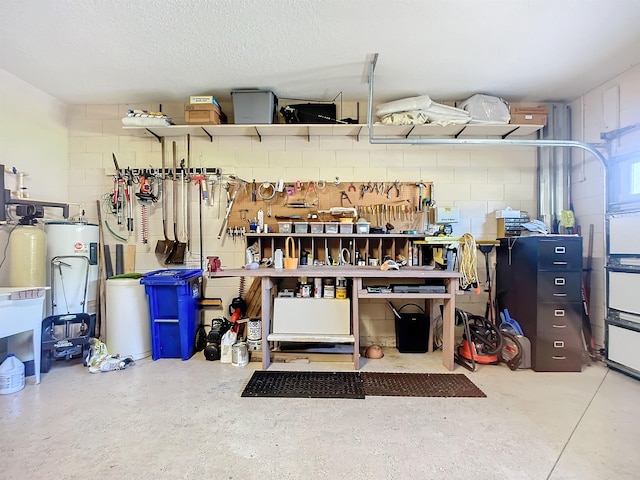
{"x": 173, "y": 296}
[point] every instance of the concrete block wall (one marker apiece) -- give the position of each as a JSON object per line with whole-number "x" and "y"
{"x": 478, "y": 180}
{"x": 611, "y": 106}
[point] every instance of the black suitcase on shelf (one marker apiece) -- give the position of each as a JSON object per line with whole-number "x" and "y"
{"x": 310, "y": 113}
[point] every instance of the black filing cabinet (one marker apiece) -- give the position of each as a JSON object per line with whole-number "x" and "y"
{"x": 539, "y": 280}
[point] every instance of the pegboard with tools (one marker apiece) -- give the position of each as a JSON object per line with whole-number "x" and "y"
{"x": 403, "y": 205}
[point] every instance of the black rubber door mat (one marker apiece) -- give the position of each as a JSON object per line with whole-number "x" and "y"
{"x": 305, "y": 385}
{"x": 383, "y": 384}
{"x": 359, "y": 384}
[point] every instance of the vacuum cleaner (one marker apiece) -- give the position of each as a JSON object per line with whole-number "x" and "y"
{"x": 481, "y": 341}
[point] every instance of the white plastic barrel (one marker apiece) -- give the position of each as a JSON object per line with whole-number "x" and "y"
{"x": 128, "y": 328}
{"x": 11, "y": 375}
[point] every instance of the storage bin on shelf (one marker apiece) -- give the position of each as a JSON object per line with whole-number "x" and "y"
{"x": 331, "y": 227}
{"x": 362, "y": 227}
{"x": 346, "y": 227}
{"x": 284, "y": 227}
{"x": 173, "y": 296}
{"x": 317, "y": 227}
{"x": 301, "y": 227}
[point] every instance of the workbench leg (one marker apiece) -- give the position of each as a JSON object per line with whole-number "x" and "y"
{"x": 448, "y": 324}
{"x": 37, "y": 350}
{"x": 266, "y": 286}
{"x": 355, "y": 321}
{"x": 431, "y": 325}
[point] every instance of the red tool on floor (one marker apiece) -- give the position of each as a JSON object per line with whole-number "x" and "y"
{"x": 481, "y": 341}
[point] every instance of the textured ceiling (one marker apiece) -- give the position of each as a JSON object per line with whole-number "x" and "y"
{"x": 117, "y": 51}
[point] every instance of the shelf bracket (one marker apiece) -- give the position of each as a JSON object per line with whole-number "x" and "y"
{"x": 509, "y": 133}
{"x": 154, "y": 134}
{"x": 208, "y": 134}
{"x": 460, "y": 132}
{"x": 409, "y": 132}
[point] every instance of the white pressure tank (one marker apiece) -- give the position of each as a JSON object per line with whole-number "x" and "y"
{"x": 72, "y": 267}
{"x": 27, "y": 264}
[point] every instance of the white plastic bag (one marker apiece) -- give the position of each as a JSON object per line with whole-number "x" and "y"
{"x": 486, "y": 109}
{"x": 227, "y": 341}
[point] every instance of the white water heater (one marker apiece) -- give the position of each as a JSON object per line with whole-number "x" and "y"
{"x": 72, "y": 267}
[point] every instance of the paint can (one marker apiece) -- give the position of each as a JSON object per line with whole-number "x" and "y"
{"x": 341, "y": 287}
{"x": 254, "y": 345}
{"x": 329, "y": 288}
{"x": 239, "y": 354}
{"x": 254, "y": 329}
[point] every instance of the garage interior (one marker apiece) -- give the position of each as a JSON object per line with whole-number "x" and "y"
{"x": 70, "y": 72}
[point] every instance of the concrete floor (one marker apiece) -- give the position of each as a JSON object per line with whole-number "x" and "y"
{"x": 171, "y": 419}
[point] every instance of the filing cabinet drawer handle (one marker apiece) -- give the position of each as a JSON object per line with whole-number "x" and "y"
{"x": 557, "y": 357}
{"x": 559, "y": 263}
{"x": 559, "y": 326}
{"x": 559, "y": 294}
{"x": 559, "y": 281}
{"x": 558, "y": 313}
{"x": 559, "y": 250}
{"x": 558, "y": 344}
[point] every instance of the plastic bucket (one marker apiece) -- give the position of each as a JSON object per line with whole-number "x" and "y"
{"x": 11, "y": 375}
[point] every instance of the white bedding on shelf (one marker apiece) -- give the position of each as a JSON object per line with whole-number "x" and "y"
{"x": 146, "y": 121}
{"x": 435, "y": 112}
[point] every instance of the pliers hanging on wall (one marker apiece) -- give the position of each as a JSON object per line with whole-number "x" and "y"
{"x": 395, "y": 185}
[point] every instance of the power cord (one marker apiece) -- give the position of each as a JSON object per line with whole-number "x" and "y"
{"x": 468, "y": 262}
{"x": 4, "y": 253}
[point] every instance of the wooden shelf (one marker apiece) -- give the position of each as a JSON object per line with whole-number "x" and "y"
{"x": 386, "y": 296}
{"x": 338, "y": 130}
{"x": 293, "y": 337}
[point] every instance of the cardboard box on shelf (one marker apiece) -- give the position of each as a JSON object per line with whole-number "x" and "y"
{"x": 528, "y": 115}
{"x": 203, "y": 114}
{"x": 531, "y": 110}
{"x": 528, "y": 119}
{"x": 203, "y": 99}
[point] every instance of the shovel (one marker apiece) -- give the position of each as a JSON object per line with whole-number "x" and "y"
{"x": 163, "y": 247}
{"x": 176, "y": 255}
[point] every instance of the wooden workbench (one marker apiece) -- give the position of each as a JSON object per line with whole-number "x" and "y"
{"x": 357, "y": 274}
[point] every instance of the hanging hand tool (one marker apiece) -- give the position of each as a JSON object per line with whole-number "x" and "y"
{"x": 232, "y": 199}
{"x": 129, "y": 195}
{"x": 144, "y": 223}
{"x": 176, "y": 255}
{"x": 343, "y": 197}
{"x": 420, "y": 184}
{"x": 117, "y": 190}
{"x": 163, "y": 247}
{"x": 253, "y": 191}
{"x": 188, "y": 180}
{"x": 395, "y": 185}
